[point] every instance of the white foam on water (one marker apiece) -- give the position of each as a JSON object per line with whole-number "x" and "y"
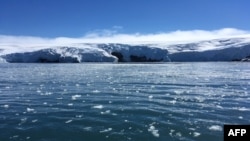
{"x": 98, "y": 107}
{"x": 150, "y": 97}
{"x": 215, "y": 128}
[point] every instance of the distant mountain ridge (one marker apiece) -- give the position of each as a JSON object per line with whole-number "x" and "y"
{"x": 231, "y": 49}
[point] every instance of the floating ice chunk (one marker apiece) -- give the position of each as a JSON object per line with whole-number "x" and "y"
{"x": 196, "y": 134}
{"x": 79, "y": 116}
{"x": 68, "y": 121}
{"x": 48, "y": 93}
{"x": 244, "y": 109}
{"x": 193, "y": 129}
{"x": 87, "y": 128}
{"x": 23, "y": 120}
{"x": 35, "y": 120}
{"x": 6, "y": 106}
{"x": 30, "y": 110}
{"x": 178, "y": 92}
{"x": 106, "y": 112}
{"x": 70, "y": 104}
{"x": 153, "y": 131}
{"x": 98, "y": 106}
{"x": 96, "y": 91}
{"x": 171, "y": 132}
{"x": 74, "y": 97}
{"x": 173, "y": 101}
{"x": 106, "y": 130}
{"x": 150, "y": 97}
{"x": 215, "y": 128}
{"x": 219, "y": 107}
{"x": 178, "y": 134}
{"x": 15, "y": 136}
{"x": 240, "y": 117}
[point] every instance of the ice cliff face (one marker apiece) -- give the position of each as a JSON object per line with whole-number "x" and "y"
{"x": 235, "y": 49}
{"x": 61, "y": 55}
{"x": 89, "y": 53}
{"x": 128, "y": 53}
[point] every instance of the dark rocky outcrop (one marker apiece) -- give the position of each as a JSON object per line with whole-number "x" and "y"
{"x": 118, "y": 55}
{"x": 135, "y": 58}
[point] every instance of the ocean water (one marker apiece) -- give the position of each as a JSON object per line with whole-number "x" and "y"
{"x": 122, "y": 102}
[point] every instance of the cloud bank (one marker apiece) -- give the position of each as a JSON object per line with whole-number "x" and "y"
{"x": 112, "y": 36}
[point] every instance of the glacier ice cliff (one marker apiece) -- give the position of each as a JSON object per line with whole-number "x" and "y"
{"x": 232, "y": 49}
{"x": 89, "y": 53}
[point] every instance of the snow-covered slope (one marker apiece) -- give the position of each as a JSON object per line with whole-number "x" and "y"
{"x": 212, "y": 50}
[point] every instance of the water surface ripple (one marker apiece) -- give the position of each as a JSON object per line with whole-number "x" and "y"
{"x": 122, "y": 102}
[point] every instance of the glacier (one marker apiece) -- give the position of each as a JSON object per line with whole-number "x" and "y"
{"x": 227, "y": 49}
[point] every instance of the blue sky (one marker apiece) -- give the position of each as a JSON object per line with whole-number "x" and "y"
{"x": 76, "y": 18}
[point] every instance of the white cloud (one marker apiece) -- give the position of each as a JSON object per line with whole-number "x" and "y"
{"x": 117, "y": 27}
{"x": 112, "y": 36}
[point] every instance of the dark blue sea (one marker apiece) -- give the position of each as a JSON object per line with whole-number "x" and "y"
{"x": 122, "y": 102}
